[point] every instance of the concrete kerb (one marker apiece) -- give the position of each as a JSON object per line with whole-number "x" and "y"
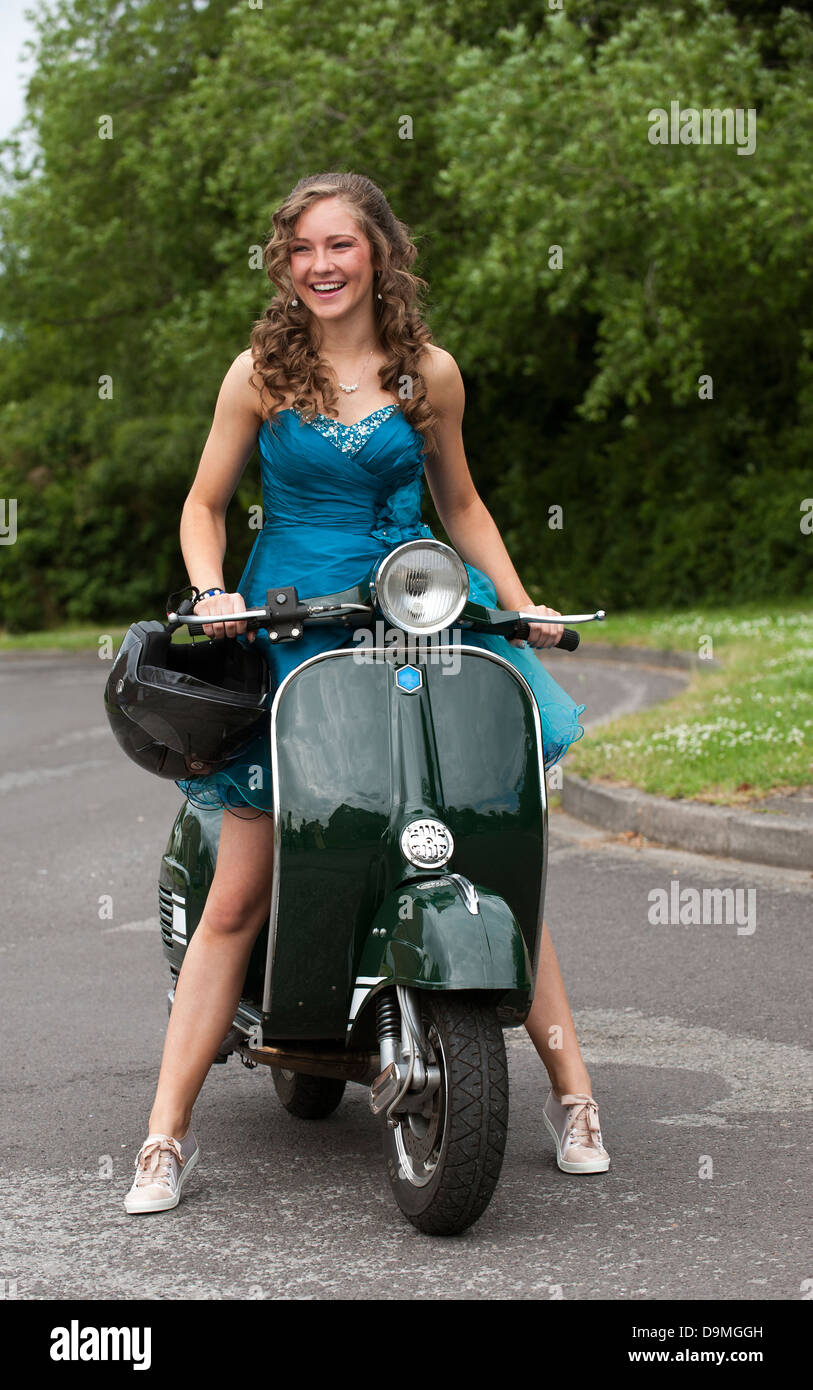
{"x": 691, "y": 825}
{"x": 720, "y": 830}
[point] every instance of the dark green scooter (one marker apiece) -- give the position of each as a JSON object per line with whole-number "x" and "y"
{"x": 410, "y": 839}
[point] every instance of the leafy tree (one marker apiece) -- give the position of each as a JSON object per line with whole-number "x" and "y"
{"x": 164, "y": 135}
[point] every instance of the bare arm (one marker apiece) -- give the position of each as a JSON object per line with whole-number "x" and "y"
{"x": 226, "y": 452}
{"x": 465, "y": 517}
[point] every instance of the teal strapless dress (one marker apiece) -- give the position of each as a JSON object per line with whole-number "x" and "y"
{"x": 336, "y": 498}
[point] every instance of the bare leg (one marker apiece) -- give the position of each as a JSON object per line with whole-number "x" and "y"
{"x": 550, "y": 1026}
{"x": 213, "y": 971}
{"x": 214, "y": 967}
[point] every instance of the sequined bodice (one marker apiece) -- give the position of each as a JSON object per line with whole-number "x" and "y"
{"x": 364, "y": 479}
{"x": 349, "y": 438}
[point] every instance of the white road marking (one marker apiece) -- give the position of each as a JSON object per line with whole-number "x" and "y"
{"x": 147, "y": 924}
{"x": 78, "y": 736}
{"x": 759, "y": 1076}
{"x": 13, "y": 781}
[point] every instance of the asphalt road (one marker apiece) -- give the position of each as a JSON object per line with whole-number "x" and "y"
{"x": 697, "y": 1039}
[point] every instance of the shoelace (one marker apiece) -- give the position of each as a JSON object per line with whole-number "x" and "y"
{"x": 153, "y": 1161}
{"x": 583, "y": 1127}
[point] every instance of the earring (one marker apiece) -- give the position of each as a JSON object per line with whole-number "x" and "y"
{"x": 294, "y": 303}
{"x": 379, "y": 294}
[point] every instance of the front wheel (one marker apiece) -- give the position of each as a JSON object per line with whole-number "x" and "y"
{"x": 443, "y": 1167}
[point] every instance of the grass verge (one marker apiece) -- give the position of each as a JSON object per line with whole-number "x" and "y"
{"x": 735, "y": 734}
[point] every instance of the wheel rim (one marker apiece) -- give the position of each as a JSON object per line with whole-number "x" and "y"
{"x": 419, "y": 1138}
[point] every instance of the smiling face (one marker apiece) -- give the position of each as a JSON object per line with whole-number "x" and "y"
{"x": 330, "y": 249}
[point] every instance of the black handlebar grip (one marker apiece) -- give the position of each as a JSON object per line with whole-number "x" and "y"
{"x": 568, "y": 642}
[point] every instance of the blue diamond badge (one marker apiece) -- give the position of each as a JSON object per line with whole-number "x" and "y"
{"x": 408, "y": 678}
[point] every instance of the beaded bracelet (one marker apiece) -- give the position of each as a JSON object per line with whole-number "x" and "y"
{"x": 208, "y": 593}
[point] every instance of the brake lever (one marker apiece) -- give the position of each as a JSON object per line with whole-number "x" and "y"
{"x": 569, "y": 639}
{"x": 599, "y": 616}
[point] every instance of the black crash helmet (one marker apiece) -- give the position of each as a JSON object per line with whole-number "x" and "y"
{"x": 182, "y": 711}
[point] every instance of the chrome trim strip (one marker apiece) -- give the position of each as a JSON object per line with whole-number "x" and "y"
{"x": 464, "y": 886}
{"x": 468, "y": 893}
{"x": 387, "y": 655}
{"x": 246, "y": 1017}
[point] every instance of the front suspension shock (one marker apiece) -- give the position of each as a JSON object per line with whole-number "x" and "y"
{"x": 388, "y": 1027}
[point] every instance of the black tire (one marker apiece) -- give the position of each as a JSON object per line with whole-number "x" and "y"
{"x": 444, "y": 1178}
{"x": 307, "y": 1097}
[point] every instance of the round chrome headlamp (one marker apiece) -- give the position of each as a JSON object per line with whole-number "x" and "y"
{"x": 421, "y": 586}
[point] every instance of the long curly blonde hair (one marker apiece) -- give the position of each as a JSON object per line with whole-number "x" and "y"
{"x": 285, "y": 352}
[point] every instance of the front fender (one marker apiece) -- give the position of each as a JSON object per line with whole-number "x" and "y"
{"x": 424, "y": 936}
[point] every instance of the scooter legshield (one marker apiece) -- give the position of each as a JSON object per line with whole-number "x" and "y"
{"x": 425, "y": 936}
{"x": 357, "y": 756}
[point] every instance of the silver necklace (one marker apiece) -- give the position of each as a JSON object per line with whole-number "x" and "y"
{"x": 356, "y": 387}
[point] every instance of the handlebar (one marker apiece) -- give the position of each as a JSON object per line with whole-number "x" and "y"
{"x": 285, "y": 618}
{"x": 568, "y": 641}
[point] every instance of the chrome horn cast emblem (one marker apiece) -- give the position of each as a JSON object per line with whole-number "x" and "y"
{"x": 427, "y": 843}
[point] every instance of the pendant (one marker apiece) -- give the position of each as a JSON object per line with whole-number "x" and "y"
{"x": 349, "y": 388}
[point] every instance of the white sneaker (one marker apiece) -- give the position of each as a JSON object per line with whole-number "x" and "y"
{"x": 162, "y": 1166}
{"x": 574, "y": 1124}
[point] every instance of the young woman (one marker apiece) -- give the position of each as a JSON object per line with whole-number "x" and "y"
{"x": 350, "y": 402}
